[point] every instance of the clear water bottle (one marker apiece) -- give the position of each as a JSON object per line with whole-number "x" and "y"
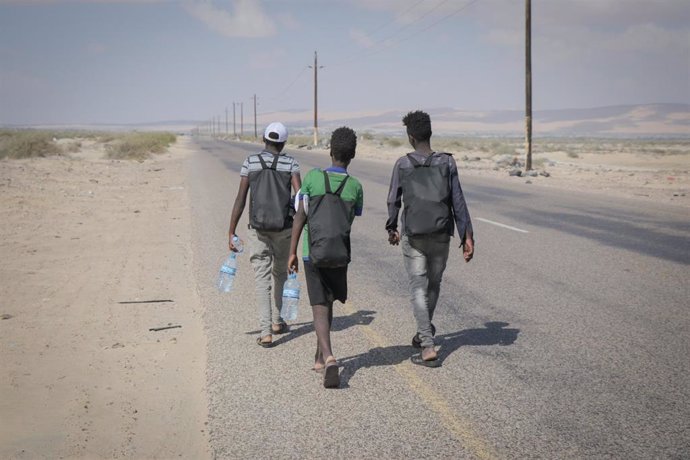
{"x": 290, "y": 298}
{"x": 226, "y": 276}
{"x": 237, "y": 243}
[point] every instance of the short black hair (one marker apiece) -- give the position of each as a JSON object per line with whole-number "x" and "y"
{"x": 278, "y": 145}
{"x": 343, "y": 144}
{"x": 418, "y": 125}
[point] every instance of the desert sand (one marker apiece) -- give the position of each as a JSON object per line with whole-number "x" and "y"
{"x": 86, "y": 246}
{"x": 660, "y": 178}
{"x": 82, "y": 375}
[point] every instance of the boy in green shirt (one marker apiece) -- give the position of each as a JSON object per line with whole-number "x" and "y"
{"x": 325, "y": 285}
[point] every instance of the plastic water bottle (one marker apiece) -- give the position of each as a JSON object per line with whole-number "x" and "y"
{"x": 290, "y": 298}
{"x": 237, "y": 243}
{"x": 228, "y": 270}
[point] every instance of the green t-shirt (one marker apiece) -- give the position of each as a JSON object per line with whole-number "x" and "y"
{"x": 314, "y": 185}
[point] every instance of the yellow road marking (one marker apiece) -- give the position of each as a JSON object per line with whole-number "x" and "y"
{"x": 459, "y": 428}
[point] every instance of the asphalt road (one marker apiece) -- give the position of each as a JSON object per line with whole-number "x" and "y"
{"x": 566, "y": 337}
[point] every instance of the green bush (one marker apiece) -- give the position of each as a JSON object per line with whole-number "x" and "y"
{"x": 138, "y": 146}
{"x": 27, "y": 144}
{"x": 504, "y": 149}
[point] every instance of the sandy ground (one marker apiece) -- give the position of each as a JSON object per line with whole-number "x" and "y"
{"x": 653, "y": 178}
{"x": 81, "y": 373}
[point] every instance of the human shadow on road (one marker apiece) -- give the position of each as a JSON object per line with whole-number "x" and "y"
{"x": 340, "y": 323}
{"x": 493, "y": 333}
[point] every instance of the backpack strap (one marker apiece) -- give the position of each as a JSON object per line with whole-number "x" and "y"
{"x": 274, "y": 165}
{"x": 413, "y": 160}
{"x": 427, "y": 163}
{"x": 417, "y": 164}
{"x": 328, "y": 184}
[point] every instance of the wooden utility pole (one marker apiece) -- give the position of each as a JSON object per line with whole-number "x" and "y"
{"x": 241, "y": 119}
{"x": 234, "y": 126}
{"x": 256, "y": 135}
{"x": 316, "y": 99}
{"x": 226, "y": 120}
{"x": 528, "y": 85}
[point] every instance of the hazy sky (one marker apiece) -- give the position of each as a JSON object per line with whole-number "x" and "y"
{"x": 125, "y": 61}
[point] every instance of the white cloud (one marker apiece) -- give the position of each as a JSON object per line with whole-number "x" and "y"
{"x": 361, "y": 38}
{"x": 247, "y": 18}
{"x": 565, "y": 29}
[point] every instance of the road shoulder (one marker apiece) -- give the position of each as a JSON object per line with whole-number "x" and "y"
{"x": 83, "y": 374}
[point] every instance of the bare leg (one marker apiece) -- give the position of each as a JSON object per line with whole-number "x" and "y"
{"x": 319, "y": 362}
{"x": 323, "y": 318}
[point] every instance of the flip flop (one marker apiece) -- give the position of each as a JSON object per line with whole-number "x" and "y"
{"x": 331, "y": 377}
{"x": 417, "y": 359}
{"x": 282, "y": 328}
{"x": 319, "y": 369}
{"x": 263, "y": 344}
{"x": 417, "y": 342}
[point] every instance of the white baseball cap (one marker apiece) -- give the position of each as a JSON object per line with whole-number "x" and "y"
{"x": 276, "y": 132}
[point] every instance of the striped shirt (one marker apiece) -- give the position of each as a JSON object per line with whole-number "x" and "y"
{"x": 285, "y": 163}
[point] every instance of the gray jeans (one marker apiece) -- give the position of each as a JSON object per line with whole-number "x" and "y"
{"x": 425, "y": 260}
{"x": 268, "y": 254}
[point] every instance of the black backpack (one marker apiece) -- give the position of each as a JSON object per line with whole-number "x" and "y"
{"x": 329, "y": 221}
{"x": 427, "y": 198}
{"x": 270, "y": 204}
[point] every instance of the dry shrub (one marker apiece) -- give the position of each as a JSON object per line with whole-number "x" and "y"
{"x": 139, "y": 146}
{"x": 27, "y": 144}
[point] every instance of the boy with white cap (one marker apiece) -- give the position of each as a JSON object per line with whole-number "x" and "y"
{"x": 269, "y": 174}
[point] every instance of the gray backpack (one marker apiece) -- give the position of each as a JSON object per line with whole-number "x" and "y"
{"x": 427, "y": 198}
{"x": 329, "y": 221}
{"x": 270, "y": 203}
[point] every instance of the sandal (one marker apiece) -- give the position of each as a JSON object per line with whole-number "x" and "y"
{"x": 417, "y": 359}
{"x": 280, "y": 328}
{"x": 417, "y": 342}
{"x": 331, "y": 377}
{"x": 318, "y": 368}
{"x": 261, "y": 343}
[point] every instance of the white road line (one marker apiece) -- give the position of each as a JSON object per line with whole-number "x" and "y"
{"x": 502, "y": 225}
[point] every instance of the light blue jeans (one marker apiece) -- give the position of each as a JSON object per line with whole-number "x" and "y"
{"x": 425, "y": 260}
{"x": 268, "y": 253}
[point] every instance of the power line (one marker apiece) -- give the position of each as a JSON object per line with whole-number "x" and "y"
{"x": 396, "y": 42}
{"x": 409, "y": 24}
{"x": 282, "y": 93}
{"x": 440, "y": 20}
{"x": 385, "y": 39}
{"x": 386, "y": 24}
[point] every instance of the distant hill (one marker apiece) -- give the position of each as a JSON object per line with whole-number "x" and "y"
{"x": 643, "y": 120}
{"x": 615, "y": 121}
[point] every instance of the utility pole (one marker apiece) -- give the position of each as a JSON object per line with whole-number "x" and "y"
{"x": 234, "y": 128}
{"x": 528, "y": 85}
{"x": 256, "y": 135}
{"x": 241, "y": 119}
{"x": 226, "y": 120}
{"x": 316, "y": 105}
